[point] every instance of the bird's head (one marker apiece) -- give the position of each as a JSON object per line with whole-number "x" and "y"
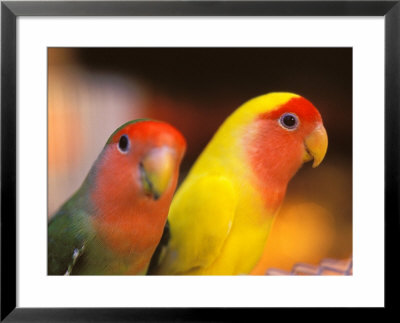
{"x": 140, "y": 162}
{"x": 283, "y": 131}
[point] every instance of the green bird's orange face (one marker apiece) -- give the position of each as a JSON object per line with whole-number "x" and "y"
{"x": 135, "y": 177}
{"x": 141, "y": 160}
{"x": 148, "y": 151}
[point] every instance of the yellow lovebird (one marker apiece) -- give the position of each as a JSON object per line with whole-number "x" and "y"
{"x": 222, "y": 213}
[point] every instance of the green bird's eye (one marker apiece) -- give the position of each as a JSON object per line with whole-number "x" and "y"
{"x": 123, "y": 144}
{"x": 289, "y": 121}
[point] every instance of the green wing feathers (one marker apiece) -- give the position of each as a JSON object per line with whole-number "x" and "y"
{"x": 67, "y": 235}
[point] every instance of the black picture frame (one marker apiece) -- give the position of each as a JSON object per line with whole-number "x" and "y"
{"x": 11, "y": 10}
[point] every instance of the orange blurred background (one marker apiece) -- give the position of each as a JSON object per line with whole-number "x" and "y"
{"x": 92, "y": 91}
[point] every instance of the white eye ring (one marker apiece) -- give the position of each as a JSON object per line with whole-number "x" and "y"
{"x": 289, "y": 121}
{"x": 124, "y": 144}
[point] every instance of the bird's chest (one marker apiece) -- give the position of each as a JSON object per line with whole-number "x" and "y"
{"x": 248, "y": 235}
{"x": 125, "y": 242}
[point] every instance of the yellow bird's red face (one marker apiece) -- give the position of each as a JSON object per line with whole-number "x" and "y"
{"x": 283, "y": 139}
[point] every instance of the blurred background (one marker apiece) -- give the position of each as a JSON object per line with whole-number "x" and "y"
{"x": 92, "y": 91}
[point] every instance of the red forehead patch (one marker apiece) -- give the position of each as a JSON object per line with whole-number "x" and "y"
{"x": 155, "y": 131}
{"x": 303, "y": 108}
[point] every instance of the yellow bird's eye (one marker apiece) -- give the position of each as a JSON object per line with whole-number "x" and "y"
{"x": 289, "y": 121}
{"x": 123, "y": 144}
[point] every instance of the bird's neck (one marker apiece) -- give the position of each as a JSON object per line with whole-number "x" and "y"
{"x": 272, "y": 161}
{"x": 271, "y": 178}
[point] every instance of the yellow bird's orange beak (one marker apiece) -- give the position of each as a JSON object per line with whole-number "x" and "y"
{"x": 316, "y": 145}
{"x": 156, "y": 171}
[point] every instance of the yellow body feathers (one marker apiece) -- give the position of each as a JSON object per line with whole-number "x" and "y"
{"x": 222, "y": 213}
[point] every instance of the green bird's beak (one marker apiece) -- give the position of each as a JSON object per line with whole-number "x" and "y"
{"x": 156, "y": 170}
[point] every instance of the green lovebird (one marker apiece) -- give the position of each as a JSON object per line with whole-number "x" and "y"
{"x": 114, "y": 222}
